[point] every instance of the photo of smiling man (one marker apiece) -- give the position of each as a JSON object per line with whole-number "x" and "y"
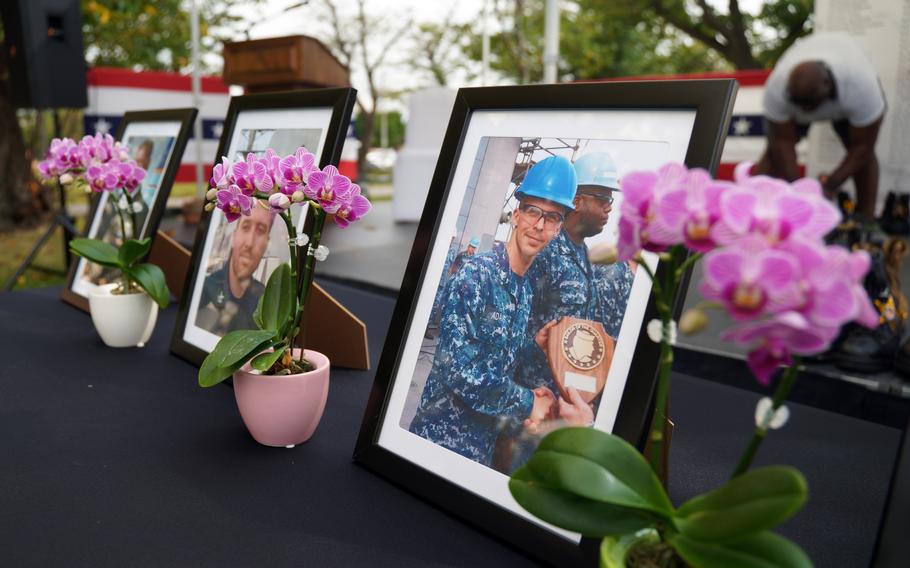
{"x": 231, "y": 291}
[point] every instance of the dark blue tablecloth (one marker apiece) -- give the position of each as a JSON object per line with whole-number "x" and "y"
{"x": 115, "y": 457}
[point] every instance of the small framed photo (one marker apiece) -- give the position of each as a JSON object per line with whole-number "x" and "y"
{"x": 231, "y": 262}
{"x": 509, "y": 323}
{"x": 156, "y": 139}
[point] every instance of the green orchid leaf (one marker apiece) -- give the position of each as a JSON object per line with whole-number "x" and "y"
{"x": 234, "y": 349}
{"x": 574, "y": 513}
{"x": 761, "y": 550}
{"x": 96, "y": 251}
{"x": 614, "y": 549}
{"x": 264, "y": 361}
{"x": 599, "y": 466}
{"x": 151, "y": 279}
{"x": 755, "y": 501}
{"x": 278, "y": 301}
{"x": 133, "y": 250}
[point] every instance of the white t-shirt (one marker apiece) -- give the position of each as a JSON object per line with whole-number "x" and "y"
{"x": 859, "y": 96}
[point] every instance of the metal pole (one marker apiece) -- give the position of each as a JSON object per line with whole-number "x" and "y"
{"x": 550, "y": 41}
{"x": 485, "y": 50}
{"x": 197, "y": 95}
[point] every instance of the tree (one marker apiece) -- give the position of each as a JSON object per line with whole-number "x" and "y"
{"x": 437, "y": 48}
{"x": 141, "y": 34}
{"x": 738, "y": 36}
{"x": 635, "y": 37}
{"x": 365, "y": 42}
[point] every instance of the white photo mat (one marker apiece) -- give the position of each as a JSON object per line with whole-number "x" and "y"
{"x": 672, "y": 128}
{"x": 283, "y": 119}
{"x": 169, "y": 129}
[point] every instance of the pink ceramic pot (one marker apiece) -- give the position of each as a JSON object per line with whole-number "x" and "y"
{"x": 283, "y": 411}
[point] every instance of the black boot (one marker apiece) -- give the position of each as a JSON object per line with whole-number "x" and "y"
{"x": 902, "y": 359}
{"x": 871, "y": 350}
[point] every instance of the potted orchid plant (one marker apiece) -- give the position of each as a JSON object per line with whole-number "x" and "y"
{"x": 280, "y": 389}
{"x": 767, "y": 266}
{"x": 124, "y": 312}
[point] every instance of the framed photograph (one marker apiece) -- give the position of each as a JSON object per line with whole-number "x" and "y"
{"x": 231, "y": 262}
{"x": 502, "y": 319}
{"x": 156, "y": 139}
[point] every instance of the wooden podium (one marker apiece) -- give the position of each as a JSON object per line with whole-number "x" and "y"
{"x": 580, "y": 353}
{"x": 327, "y": 326}
{"x": 282, "y": 64}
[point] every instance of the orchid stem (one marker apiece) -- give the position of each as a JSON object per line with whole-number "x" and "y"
{"x": 308, "y": 268}
{"x": 126, "y": 279}
{"x": 780, "y": 395}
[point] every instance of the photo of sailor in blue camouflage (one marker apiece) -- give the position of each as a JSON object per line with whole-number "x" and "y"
{"x": 482, "y": 380}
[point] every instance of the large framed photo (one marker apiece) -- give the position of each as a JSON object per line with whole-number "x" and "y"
{"x": 504, "y": 328}
{"x": 156, "y": 140}
{"x": 231, "y": 262}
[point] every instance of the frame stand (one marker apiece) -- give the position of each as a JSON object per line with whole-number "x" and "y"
{"x": 327, "y": 326}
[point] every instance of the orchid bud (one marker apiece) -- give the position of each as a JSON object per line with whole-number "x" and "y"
{"x": 209, "y": 206}
{"x": 211, "y": 194}
{"x": 279, "y": 201}
{"x": 66, "y": 179}
{"x": 603, "y": 253}
{"x": 693, "y": 321}
{"x": 298, "y": 196}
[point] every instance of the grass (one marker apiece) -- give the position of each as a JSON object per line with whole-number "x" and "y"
{"x": 48, "y": 268}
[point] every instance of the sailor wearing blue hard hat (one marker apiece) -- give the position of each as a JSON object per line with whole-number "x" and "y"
{"x": 471, "y": 395}
{"x": 564, "y": 286}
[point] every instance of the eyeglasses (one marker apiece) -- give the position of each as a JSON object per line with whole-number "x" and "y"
{"x": 550, "y": 218}
{"x": 603, "y": 198}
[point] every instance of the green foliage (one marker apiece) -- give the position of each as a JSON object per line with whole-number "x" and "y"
{"x": 148, "y": 276}
{"x": 278, "y": 303}
{"x": 755, "y": 501}
{"x": 596, "y": 484}
{"x": 151, "y": 279}
{"x": 96, "y": 251}
{"x": 264, "y": 361}
{"x": 234, "y": 349}
{"x": 156, "y": 35}
{"x": 760, "y": 550}
{"x": 639, "y": 37}
{"x": 132, "y": 250}
{"x": 395, "y": 126}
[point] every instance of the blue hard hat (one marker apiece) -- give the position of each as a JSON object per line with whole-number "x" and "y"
{"x": 597, "y": 168}
{"x": 552, "y": 179}
{"x": 474, "y": 242}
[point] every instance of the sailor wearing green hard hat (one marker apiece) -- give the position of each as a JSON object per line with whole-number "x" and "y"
{"x": 564, "y": 285}
{"x": 471, "y": 394}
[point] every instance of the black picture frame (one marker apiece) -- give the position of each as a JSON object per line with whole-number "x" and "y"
{"x": 340, "y": 103}
{"x": 712, "y": 103}
{"x": 891, "y": 542}
{"x": 186, "y": 117}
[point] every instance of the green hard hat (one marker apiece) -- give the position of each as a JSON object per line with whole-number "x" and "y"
{"x": 597, "y": 168}
{"x": 552, "y": 179}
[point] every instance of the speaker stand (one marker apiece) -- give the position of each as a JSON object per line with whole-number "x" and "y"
{"x": 69, "y": 231}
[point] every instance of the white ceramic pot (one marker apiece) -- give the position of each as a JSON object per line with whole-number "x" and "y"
{"x": 122, "y": 320}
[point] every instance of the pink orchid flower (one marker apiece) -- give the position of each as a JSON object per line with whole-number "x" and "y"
{"x": 353, "y": 209}
{"x": 329, "y": 188}
{"x": 234, "y": 202}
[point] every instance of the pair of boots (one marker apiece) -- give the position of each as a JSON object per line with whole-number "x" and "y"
{"x": 879, "y": 349}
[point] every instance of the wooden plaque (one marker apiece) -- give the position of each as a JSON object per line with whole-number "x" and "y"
{"x": 580, "y": 352}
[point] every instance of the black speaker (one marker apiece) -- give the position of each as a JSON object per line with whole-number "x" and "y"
{"x": 43, "y": 42}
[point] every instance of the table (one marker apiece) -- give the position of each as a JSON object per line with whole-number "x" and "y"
{"x": 115, "y": 457}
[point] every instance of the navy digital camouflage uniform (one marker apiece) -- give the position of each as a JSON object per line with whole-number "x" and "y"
{"x": 470, "y": 394}
{"x": 567, "y": 284}
{"x": 613, "y": 283}
{"x": 435, "y": 312}
{"x": 562, "y": 279}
